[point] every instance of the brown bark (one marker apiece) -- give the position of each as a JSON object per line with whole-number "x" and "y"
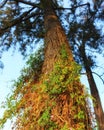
{"x": 54, "y": 37}
{"x": 99, "y": 114}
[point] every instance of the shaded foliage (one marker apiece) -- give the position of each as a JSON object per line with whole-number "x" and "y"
{"x": 22, "y": 24}
{"x": 84, "y": 32}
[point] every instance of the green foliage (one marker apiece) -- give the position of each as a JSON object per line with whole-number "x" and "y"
{"x": 80, "y": 115}
{"x": 32, "y": 69}
{"x": 63, "y": 52}
{"x": 28, "y": 74}
{"x": 34, "y": 64}
{"x": 63, "y": 75}
{"x": 45, "y": 118}
{"x": 65, "y": 127}
{"x": 37, "y": 100}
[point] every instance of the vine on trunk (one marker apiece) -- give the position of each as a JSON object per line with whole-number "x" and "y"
{"x": 55, "y": 102}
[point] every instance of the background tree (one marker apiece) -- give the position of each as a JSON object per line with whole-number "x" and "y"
{"x": 86, "y": 38}
{"x": 56, "y": 98}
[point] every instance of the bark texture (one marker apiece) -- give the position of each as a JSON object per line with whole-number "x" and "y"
{"x": 54, "y": 37}
{"x": 94, "y": 92}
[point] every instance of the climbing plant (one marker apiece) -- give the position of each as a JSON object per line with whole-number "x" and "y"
{"x": 48, "y": 102}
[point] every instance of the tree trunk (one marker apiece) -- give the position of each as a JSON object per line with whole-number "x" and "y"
{"x": 54, "y": 37}
{"x": 99, "y": 114}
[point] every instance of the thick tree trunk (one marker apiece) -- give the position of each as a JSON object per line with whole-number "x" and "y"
{"x": 54, "y": 37}
{"x": 94, "y": 92}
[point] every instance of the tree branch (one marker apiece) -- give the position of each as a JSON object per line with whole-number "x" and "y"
{"x": 2, "y": 4}
{"x": 74, "y": 7}
{"x": 31, "y": 15}
{"x": 83, "y": 73}
{"x": 29, "y": 3}
{"x": 100, "y": 66}
{"x": 92, "y": 51}
{"x": 16, "y": 21}
{"x": 98, "y": 76}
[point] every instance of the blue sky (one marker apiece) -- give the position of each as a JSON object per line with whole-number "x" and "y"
{"x": 12, "y": 66}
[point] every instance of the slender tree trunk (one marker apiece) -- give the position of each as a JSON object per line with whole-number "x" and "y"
{"x": 94, "y": 92}
{"x": 54, "y": 37}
